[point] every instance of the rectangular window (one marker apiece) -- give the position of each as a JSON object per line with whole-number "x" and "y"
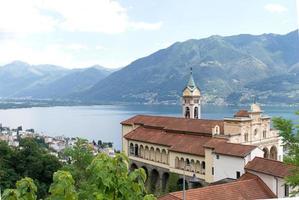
{"x": 286, "y": 190}
{"x": 212, "y": 170}
{"x": 238, "y": 174}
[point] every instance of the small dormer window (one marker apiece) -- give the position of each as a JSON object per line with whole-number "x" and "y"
{"x": 246, "y": 137}
{"x": 255, "y": 132}
{"x": 217, "y": 130}
{"x": 264, "y": 134}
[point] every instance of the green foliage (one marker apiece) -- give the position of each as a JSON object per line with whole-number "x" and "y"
{"x": 79, "y": 158}
{"x": 26, "y": 190}
{"x": 29, "y": 160}
{"x": 110, "y": 179}
{"x": 290, "y": 133}
{"x": 173, "y": 182}
{"x": 63, "y": 187}
{"x": 84, "y": 177}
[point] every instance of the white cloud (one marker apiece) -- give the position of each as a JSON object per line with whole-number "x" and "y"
{"x": 275, "y": 8}
{"x": 104, "y": 16}
{"x": 22, "y": 16}
{"x": 11, "y": 50}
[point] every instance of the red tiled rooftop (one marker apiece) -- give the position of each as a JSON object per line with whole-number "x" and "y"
{"x": 177, "y": 124}
{"x": 242, "y": 113}
{"x": 187, "y": 143}
{"x": 249, "y": 187}
{"x": 270, "y": 167}
{"x": 232, "y": 149}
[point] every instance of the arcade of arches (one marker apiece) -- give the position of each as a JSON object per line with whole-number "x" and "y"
{"x": 271, "y": 154}
{"x": 160, "y": 155}
{"x": 157, "y": 181}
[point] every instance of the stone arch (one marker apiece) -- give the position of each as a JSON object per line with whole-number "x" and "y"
{"x": 187, "y": 112}
{"x": 155, "y": 176}
{"x": 197, "y": 167}
{"x": 192, "y": 166}
{"x": 131, "y": 149}
{"x": 164, "y": 157}
{"x": 158, "y": 155}
{"x": 152, "y": 154}
{"x": 273, "y": 153}
{"x": 196, "y": 113}
{"x": 141, "y": 151}
{"x": 133, "y": 167}
{"x": 177, "y": 162}
{"x": 146, "y": 172}
{"x": 203, "y": 167}
{"x": 182, "y": 163}
{"x": 136, "y": 150}
{"x": 146, "y": 153}
{"x": 165, "y": 178}
{"x": 266, "y": 152}
{"x": 187, "y": 164}
{"x": 180, "y": 184}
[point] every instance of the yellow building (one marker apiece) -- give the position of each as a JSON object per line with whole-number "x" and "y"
{"x": 210, "y": 150}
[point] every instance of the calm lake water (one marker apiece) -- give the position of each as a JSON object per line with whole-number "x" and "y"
{"x": 103, "y": 122}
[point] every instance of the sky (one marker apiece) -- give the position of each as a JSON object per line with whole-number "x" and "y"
{"x": 113, "y": 33}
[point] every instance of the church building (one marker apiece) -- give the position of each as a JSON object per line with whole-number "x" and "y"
{"x": 207, "y": 149}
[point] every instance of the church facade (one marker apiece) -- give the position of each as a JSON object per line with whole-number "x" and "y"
{"x": 210, "y": 150}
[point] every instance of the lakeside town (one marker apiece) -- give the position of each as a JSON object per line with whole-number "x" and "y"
{"x": 55, "y": 145}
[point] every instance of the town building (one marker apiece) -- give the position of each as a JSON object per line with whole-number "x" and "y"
{"x": 211, "y": 150}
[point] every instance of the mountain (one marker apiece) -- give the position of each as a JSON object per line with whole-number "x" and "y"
{"x": 19, "y": 79}
{"x": 75, "y": 81}
{"x": 227, "y": 69}
{"x": 18, "y": 75}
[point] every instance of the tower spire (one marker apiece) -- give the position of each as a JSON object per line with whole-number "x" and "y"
{"x": 191, "y": 83}
{"x": 191, "y": 99}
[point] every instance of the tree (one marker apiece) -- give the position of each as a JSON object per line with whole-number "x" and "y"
{"x": 110, "y": 180}
{"x": 290, "y": 134}
{"x": 29, "y": 160}
{"x": 63, "y": 187}
{"x": 80, "y": 156}
{"x": 8, "y": 175}
{"x": 25, "y": 190}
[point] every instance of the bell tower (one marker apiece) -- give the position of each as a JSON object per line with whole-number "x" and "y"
{"x": 191, "y": 100}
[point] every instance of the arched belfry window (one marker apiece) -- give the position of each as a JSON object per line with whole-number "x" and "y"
{"x": 187, "y": 112}
{"x": 196, "y": 112}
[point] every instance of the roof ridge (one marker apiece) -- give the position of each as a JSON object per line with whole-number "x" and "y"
{"x": 268, "y": 159}
{"x": 176, "y": 117}
{"x": 219, "y": 185}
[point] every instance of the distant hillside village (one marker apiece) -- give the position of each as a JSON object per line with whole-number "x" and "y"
{"x": 54, "y": 144}
{"x": 239, "y": 157}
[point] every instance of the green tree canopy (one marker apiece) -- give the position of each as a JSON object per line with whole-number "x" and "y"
{"x": 290, "y": 134}
{"x": 25, "y": 190}
{"x": 30, "y": 159}
{"x": 63, "y": 187}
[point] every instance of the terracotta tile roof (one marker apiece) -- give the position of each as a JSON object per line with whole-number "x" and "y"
{"x": 177, "y": 124}
{"x": 242, "y": 113}
{"x": 232, "y": 149}
{"x": 270, "y": 167}
{"x": 250, "y": 187}
{"x": 186, "y": 143}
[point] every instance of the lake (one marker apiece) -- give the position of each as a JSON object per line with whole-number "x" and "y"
{"x": 103, "y": 122}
